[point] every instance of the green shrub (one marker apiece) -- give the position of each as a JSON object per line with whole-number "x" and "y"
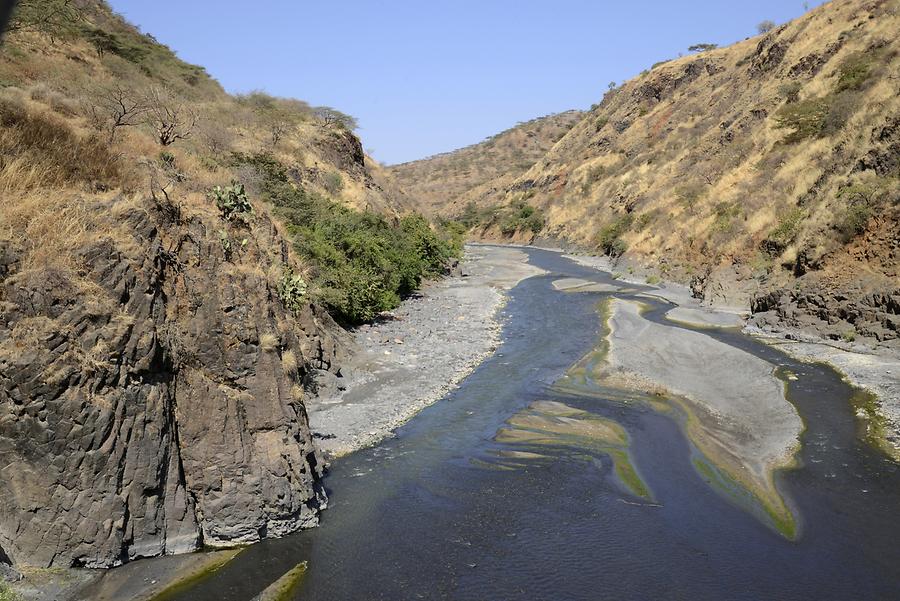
{"x": 805, "y": 118}
{"x": 725, "y": 213}
{"x": 609, "y": 239}
{"x": 790, "y": 91}
{"x": 522, "y": 217}
{"x": 855, "y": 71}
{"x": 643, "y": 220}
{"x": 787, "y": 229}
{"x": 601, "y": 122}
{"x": 167, "y": 159}
{"x": 334, "y": 183}
{"x": 653, "y": 279}
{"x": 360, "y": 263}
{"x": 854, "y": 220}
{"x": 231, "y": 200}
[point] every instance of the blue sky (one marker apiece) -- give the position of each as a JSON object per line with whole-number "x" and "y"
{"x": 428, "y": 76}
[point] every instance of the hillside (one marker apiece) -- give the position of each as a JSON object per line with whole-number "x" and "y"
{"x": 448, "y": 181}
{"x": 766, "y": 170}
{"x": 173, "y": 260}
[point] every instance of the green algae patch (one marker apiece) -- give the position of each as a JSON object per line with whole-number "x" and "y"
{"x": 774, "y": 514}
{"x": 284, "y": 588}
{"x": 752, "y": 487}
{"x": 557, "y": 425}
{"x": 873, "y": 425}
{"x": 188, "y": 578}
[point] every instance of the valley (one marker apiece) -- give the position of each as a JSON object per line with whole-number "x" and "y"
{"x": 645, "y": 349}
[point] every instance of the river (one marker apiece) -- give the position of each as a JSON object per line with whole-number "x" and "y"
{"x": 424, "y": 516}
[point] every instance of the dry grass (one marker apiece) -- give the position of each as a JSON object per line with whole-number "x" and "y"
{"x": 289, "y": 364}
{"x": 715, "y": 133}
{"x": 38, "y": 149}
{"x": 268, "y": 342}
{"x": 48, "y": 225}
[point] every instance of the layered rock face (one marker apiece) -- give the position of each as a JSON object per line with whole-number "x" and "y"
{"x": 154, "y": 403}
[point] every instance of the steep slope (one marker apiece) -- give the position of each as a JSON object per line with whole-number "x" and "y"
{"x": 167, "y": 255}
{"x": 446, "y": 182}
{"x": 741, "y": 169}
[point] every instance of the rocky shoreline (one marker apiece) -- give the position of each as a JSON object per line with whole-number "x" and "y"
{"x": 414, "y": 356}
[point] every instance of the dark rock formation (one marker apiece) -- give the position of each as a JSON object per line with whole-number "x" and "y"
{"x": 845, "y": 314}
{"x": 153, "y": 403}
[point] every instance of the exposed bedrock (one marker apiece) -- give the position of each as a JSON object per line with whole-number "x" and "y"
{"x": 153, "y": 403}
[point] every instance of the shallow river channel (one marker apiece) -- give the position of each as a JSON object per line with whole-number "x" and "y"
{"x": 449, "y": 509}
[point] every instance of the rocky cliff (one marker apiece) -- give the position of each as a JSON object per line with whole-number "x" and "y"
{"x": 153, "y": 403}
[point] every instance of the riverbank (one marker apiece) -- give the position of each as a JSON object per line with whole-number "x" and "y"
{"x": 876, "y": 370}
{"x": 411, "y": 359}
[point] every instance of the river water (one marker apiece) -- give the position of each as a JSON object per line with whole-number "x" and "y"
{"x": 421, "y": 517}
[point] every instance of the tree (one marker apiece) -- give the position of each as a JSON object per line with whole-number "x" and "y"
{"x": 170, "y": 118}
{"x": 330, "y": 116}
{"x": 765, "y": 26}
{"x": 702, "y": 47}
{"x": 113, "y": 107}
{"x": 53, "y": 18}
{"x": 104, "y": 41}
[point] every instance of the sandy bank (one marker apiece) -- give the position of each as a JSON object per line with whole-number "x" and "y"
{"x": 738, "y": 415}
{"x": 405, "y": 364}
{"x": 876, "y": 371}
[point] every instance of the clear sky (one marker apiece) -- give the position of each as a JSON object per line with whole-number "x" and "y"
{"x": 427, "y": 76}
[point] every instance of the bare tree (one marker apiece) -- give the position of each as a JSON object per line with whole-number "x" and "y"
{"x": 765, "y": 26}
{"x": 113, "y": 107}
{"x": 217, "y": 137}
{"x": 277, "y": 129}
{"x": 171, "y": 119}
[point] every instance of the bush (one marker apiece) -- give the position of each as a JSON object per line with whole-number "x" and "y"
{"x": 689, "y": 194}
{"x": 522, "y": 218}
{"x": 790, "y": 91}
{"x": 805, "y": 118}
{"x": 855, "y": 71}
{"x": 786, "y": 231}
{"x": 231, "y": 200}
{"x": 854, "y": 221}
{"x": 609, "y": 239}
{"x": 334, "y": 183}
{"x": 725, "y": 213}
{"x": 8, "y": 594}
{"x": 360, "y": 263}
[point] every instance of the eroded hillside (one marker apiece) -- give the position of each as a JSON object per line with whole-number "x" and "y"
{"x": 739, "y": 170}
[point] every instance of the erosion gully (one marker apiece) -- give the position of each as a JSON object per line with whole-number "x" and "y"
{"x": 419, "y": 516}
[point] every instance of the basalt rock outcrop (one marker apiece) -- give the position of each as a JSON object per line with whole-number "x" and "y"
{"x": 152, "y": 402}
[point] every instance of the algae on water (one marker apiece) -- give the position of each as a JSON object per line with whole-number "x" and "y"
{"x": 550, "y": 424}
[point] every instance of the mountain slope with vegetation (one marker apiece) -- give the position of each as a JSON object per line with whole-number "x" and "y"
{"x": 767, "y": 172}
{"x": 445, "y": 182}
{"x": 172, "y": 262}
